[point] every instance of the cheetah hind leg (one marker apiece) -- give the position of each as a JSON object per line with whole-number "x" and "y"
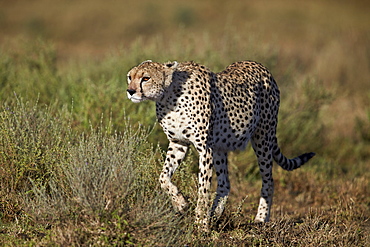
{"x": 264, "y": 158}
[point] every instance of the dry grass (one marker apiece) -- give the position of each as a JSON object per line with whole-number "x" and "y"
{"x": 76, "y": 167}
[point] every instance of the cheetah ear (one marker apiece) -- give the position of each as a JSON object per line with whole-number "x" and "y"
{"x": 168, "y": 71}
{"x": 172, "y": 64}
{"x": 146, "y": 61}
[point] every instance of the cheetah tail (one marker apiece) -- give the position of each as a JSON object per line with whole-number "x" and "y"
{"x": 291, "y": 164}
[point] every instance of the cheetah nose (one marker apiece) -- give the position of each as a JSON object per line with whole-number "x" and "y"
{"x": 131, "y": 91}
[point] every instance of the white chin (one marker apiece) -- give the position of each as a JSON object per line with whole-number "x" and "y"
{"x": 135, "y": 100}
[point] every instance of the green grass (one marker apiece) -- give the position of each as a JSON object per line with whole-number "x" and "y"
{"x": 79, "y": 163}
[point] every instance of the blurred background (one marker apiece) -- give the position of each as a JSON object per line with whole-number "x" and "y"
{"x": 326, "y": 39}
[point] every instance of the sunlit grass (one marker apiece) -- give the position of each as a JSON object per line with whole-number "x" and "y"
{"x": 79, "y": 163}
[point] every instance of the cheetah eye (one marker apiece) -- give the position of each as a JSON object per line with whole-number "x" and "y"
{"x": 145, "y": 78}
{"x": 129, "y": 78}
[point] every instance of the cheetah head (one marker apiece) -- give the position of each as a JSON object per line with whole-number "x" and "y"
{"x": 149, "y": 80}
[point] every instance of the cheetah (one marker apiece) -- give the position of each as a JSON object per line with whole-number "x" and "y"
{"x": 216, "y": 113}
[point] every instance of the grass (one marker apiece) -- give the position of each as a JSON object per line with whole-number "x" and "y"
{"x": 53, "y": 177}
{"x": 79, "y": 163}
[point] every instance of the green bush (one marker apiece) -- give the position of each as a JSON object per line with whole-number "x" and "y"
{"x": 101, "y": 182}
{"x": 33, "y": 142}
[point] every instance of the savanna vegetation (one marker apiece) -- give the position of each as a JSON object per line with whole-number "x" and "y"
{"x": 79, "y": 163}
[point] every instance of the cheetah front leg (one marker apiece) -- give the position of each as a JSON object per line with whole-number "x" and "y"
{"x": 223, "y": 184}
{"x": 202, "y": 211}
{"x": 175, "y": 154}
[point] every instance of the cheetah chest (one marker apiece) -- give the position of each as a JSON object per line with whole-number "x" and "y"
{"x": 176, "y": 125}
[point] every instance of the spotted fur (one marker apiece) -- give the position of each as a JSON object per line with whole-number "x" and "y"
{"x": 217, "y": 113}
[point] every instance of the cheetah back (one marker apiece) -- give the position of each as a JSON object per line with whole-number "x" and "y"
{"x": 244, "y": 94}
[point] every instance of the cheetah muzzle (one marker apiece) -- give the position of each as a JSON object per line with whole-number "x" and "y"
{"x": 216, "y": 113}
